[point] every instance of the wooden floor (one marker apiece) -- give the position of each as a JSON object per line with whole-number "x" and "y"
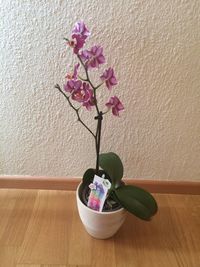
{"x": 42, "y": 229}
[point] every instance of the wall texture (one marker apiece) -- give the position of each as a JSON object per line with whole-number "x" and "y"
{"x": 154, "y": 47}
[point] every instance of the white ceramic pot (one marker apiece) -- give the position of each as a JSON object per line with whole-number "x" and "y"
{"x": 100, "y": 225}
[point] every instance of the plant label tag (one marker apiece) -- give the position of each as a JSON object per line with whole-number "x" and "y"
{"x": 99, "y": 189}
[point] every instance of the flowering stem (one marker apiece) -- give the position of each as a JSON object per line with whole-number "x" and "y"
{"x": 82, "y": 79}
{"x": 99, "y": 116}
{"x": 75, "y": 109}
{"x": 98, "y": 138}
{"x": 99, "y": 85}
{"x": 106, "y": 111}
{"x": 89, "y": 81}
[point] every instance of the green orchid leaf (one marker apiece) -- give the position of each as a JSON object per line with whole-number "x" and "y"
{"x": 137, "y": 201}
{"x": 114, "y": 197}
{"x": 88, "y": 176}
{"x": 112, "y": 165}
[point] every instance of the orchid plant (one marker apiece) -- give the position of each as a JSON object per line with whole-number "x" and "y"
{"x": 82, "y": 91}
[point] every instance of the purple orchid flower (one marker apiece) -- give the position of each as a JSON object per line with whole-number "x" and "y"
{"x": 84, "y": 95}
{"x": 94, "y": 57}
{"x": 115, "y": 104}
{"x": 109, "y": 77}
{"x": 72, "y": 85}
{"x": 79, "y": 35}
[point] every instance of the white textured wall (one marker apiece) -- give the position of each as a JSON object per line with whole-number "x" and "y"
{"x": 154, "y": 46}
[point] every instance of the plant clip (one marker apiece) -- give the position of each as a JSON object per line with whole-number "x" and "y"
{"x": 99, "y": 116}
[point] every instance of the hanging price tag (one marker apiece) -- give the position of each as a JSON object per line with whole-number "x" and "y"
{"x": 99, "y": 189}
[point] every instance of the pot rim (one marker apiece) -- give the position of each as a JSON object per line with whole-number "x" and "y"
{"x": 94, "y": 211}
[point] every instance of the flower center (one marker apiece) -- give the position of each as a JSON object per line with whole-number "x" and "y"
{"x": 69, "y": 76}
{"x": 72, "y": 43}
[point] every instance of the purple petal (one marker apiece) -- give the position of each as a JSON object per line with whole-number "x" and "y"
{"x": 115, "y": 112}
{"x": 109, "y": 77}
{"x": 101, "y": 59}
{"x": 77, "y": 84}
{"x": 74, "y": 76}
{"x": 81, "y": 29}
{"x": 116, "y": 105}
